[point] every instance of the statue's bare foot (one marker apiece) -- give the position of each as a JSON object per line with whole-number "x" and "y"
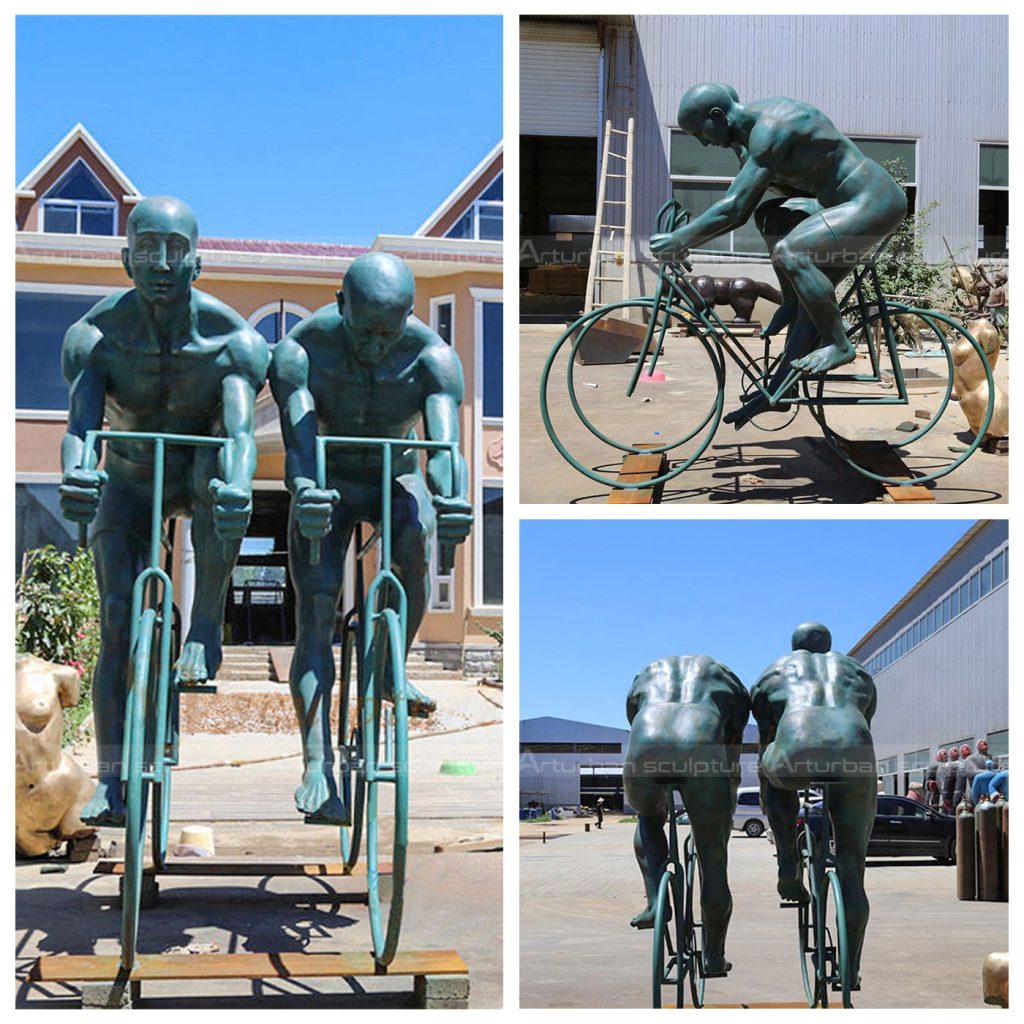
{"x": 792, "y": 890}
{"x": 715, "y": 965}
{"x": 420, "y": 705}
{"x": 200, "y": 656}
{"x": 821, "y": 360}
{"x": 106, "y": 806}
{"x": 756, "y": 405}
{"x": 318, "y": 798}
{"x": 645, "y": 919}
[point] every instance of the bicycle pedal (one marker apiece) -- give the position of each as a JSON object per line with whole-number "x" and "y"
{"x": 197, "y": 687}
{"x": 308, "y": 819}
{"x": 794, "y": 905}
{"x": 715, "y": 974}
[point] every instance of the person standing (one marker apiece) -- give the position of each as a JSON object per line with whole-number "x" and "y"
{"x": 600, "y": 811}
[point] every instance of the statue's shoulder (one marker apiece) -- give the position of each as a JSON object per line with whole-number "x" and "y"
{"x": 101, "y": 328}
{"x": 247, "y": 349}
{"x": 323, "y": 325}
{"x": 439, "y": 359}
{"x": 772, "y": 674}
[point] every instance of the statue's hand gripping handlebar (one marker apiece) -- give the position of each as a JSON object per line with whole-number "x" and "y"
{"x": 671, "y": 217}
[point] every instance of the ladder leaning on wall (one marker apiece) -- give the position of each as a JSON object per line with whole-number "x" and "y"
{"x": 606, "y": 252}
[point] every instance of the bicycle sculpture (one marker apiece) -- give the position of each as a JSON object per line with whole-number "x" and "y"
{"x": 824, "y": 943}
{"x": 151, "y": 735}
{"x": 686, "y": 716}
{"x": 373, "y": 738}
{"x": 839, "y": 214}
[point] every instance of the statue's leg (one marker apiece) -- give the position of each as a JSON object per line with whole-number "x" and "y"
{"x": 711, "y": 804}
{"x": 119, "y": 548}
{"x": 201, "y": 653}
{"x": 412, "y": 540}
{"x": 774, "y": 219}
{"x": 853, "y": 806}
{"x": 781, "y": 806}
{"x": 317, "y": 592}
{"x": 652, "y": 802}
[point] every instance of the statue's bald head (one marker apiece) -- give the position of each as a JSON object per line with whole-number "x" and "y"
{"x": 701, "y": 103}
{"x": 163, "y": 215}
{"x": 813, "y": 637}
{"x": 382, "y": 280}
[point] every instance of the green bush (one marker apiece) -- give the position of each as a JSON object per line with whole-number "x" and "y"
{"x": 498, "y": 636}
{"x": 58, "y": 610}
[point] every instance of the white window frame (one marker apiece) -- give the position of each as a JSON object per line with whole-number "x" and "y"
{"x": 480, "y": 296}
{"x": 275, "y": 307}
{"x": 435, "y": 303}
{"x": 479, "y": 204}
{"x": 110, "y": 205}
{"x": 989, "y": 188}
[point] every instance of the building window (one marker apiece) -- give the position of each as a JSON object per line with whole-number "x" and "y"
{"x": 887, "y": 772}
{"x": 484, "y": 220}
{"x": 994, "y": 201}
{"x": 914, "y": 765}
{"x": 899, "y": 156}
{"x": 700, "y": 176}
{"x": 442, "y": 585}
{"x": 442, "y": 317}
{"x": 276, "y": 319}
{"x": 41, "y": 321}
{"x": 493, "y": 359}
{"x": 999, "y": 744}
{"x": 491, "y": 523}
{"x": 79, "y": 205}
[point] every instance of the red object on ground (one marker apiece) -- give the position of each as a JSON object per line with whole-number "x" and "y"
{"x": 652, "y": 378}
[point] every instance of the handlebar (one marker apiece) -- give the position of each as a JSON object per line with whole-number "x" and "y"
{"x": 670, "y": 217}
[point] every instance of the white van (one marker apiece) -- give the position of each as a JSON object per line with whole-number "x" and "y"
{"x": 749, "y": 817}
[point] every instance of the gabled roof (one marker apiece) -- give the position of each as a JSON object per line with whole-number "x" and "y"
{"x": 466, "y": 185}
{"x": 26, "y": 188}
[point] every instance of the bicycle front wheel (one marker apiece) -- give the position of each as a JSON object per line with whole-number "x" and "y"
{"x": 386, "y": 745}
{"x": 675, "y": 410}
{"x": 694, "y": 929}
{"x": 664, "y": 955}
{"x": 840, "y": 978}
{"x": 351, "y": 752}
{"x": 136, "y": 790}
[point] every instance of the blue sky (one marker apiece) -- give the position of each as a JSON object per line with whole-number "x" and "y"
{"x": 600, "y": 600}
{"x": 299, "y": 128}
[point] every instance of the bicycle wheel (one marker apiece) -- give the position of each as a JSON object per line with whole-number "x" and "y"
{"x": 868, "y": 337}
{"x": 810, "y": 940}
{"x": 665, "y": 958}
{"x": 351, "y": 756}
{"x": 136, "y": 790}
{"x": 840, "y": 978}
{"x": 699, "y": 392}
{"x": 694, "y": 929}
{"x": 386, "y": 743}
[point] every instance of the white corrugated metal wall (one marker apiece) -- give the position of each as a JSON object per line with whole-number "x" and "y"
{"x": 942, "y": 80}
{"x": 558, "y": 79}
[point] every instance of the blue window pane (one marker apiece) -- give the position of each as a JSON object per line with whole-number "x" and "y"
{"x": 491, "y": 223}
{"x": 493, "y": 359}
{"x": 929, "y": 623}
{"x": 97, "y": 220}
{"x": 493, "y": 519}
{"x": 41, "y": 320}
{"x": 946, "y": 610}
{"x": 60, "y": 219}
{"x": 954, "y": 603}
{"x": 975, "y": 588}
{"x": 998, "y": 569}
{"x": 268, "y": 327}
{"x": 463, "y": 227}
{"x": 443, "y": 313}
{"x": 986, "y": 578}
{"x": 496, "y": 189}
{"x": 79, "y": 183}
{"x": 290, "y": 321}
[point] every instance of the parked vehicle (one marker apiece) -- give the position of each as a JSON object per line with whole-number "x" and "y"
{"x": 904, "y": 828}
{"x": 749, "y": 817}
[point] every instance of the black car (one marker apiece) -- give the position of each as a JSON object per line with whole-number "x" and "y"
{"x": 905, "y": 828}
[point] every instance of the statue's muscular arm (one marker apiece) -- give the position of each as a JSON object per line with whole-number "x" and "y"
{"x": 442, "y": 396}
{"x": 87, "y": 385}
{"x": 761, "y": 705}
{"x": 289, "y": 382}
{"x": 769, "y": 142}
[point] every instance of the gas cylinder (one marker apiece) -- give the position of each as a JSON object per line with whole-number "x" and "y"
{"x": 966, "y": 868}
{"x": 988, "y": 850}
{"x": 1004, "y": 851}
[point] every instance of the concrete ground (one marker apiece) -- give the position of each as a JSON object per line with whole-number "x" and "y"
{"x": 241, "y": 785}
{"x": 777, "y": 460}
{"x": 579, "y": 890}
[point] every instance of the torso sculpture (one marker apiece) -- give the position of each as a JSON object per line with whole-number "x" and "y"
{"x": 50, "y": 788}
{"x": 159, "y": 357}
{"x": 836, "y": 204}
{"x": 813, "y": 709}
{"x": 364, "y": 367}
{"x": 687, "y": 716}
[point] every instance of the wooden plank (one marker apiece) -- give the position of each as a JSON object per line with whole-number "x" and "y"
{"x": 908, "y": 492}
{"x": 203, "y": 866}
{"x": 249, "y": 966}
{"x": 636, "y": 468}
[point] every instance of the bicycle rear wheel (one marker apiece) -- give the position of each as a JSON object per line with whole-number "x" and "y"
{"x": 839, "y": 979}
{"x": 386, "y": 745}
{"x": 810, "y": 940}
{"x": 694, "y": 929}
{"x": 665, "y": 958}
{"x": 868, "y": 336}
{"x": 351, "y": 754}
{"x": 136, "y": 790}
